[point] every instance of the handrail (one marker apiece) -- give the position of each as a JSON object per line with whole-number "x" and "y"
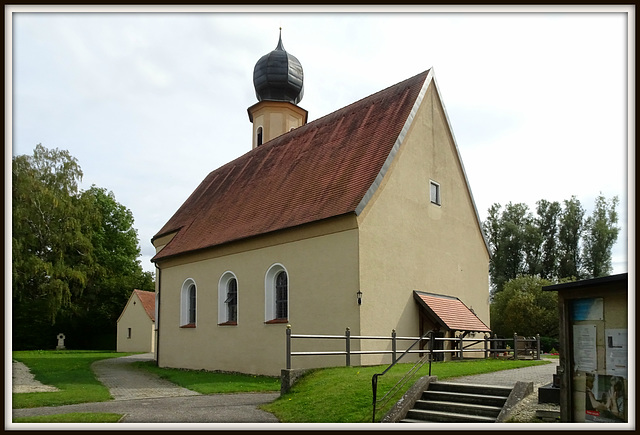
{"x": 461, "y": 346}
{"x": 405, "y": 378}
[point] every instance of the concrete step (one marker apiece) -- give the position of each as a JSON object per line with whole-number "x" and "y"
{"x": 424, "y": 415}
{"x": 491, "y": 390}
{"x": 459, "y": 408}
{"x": 450, "y": 396}
{"x": 448, "y": 402}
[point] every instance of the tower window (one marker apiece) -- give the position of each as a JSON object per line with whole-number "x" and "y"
{"x": 259, "y": 137}
{"x": 435, "y": 193}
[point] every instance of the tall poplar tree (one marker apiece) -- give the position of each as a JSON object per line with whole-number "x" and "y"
{"x": 557, "y": 243}
{"x": 600, "y": 234}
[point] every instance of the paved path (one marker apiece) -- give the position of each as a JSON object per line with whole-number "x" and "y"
{"x": 145, "y": 398}
{"x": 540, "y": 375}
{"x": 125, "y": 382}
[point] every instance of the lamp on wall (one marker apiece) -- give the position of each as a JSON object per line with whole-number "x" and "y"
{"x": 359, "y": 296}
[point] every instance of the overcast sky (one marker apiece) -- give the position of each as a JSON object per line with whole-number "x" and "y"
{"x": 150, "y": 103}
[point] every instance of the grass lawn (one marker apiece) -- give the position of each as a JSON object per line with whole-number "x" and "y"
{"x": 343, "y": 394}
{"x": 205, "y": 382}
{"x": 69, "y": 370}
{"x": 75, "y": 417}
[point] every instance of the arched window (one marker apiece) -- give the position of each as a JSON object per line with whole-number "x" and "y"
{"x": 282, "y": 299}
{"x": 228, "y": 299}
{"x": 232, "y": 301}
{"x": 276, "y": 289}
{"x": 259, "y": 137}
{"x": 188, "y": 304}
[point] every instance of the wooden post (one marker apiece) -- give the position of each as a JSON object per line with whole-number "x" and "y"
{"x": 486, "y": 346}
{"x": 515, "y": 346}
{"x": 538, "y": 346}
{"x": 393, "y": 346}
{"x": 288, "y": 347}
{"x": 347, "y": 335}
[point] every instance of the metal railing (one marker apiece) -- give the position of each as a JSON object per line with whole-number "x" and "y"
{"x": 522, "y": 347}
{"x": 417, "y": 366}
{"x": 347, "y": 352}
{"x": 459, "y": 346}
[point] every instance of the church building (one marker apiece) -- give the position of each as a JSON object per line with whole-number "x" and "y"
{"x": 363, "y": 218}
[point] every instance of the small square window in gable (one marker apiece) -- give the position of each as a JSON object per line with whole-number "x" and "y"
{"x": 435, "y": 192}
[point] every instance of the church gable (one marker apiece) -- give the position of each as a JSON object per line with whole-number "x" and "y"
{"x": 318, "y": 171}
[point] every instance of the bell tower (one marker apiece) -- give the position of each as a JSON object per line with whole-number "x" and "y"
{"x": 278, "y": 82}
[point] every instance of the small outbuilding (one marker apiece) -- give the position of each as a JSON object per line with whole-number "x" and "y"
{"x": 594, "y": 357}
{"x": 136, "y": 324}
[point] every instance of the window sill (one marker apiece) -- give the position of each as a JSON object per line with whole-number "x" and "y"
{"x": 276, "y": 321}
{"x": 228, "y": 324}
{"x": 189, "y": 325}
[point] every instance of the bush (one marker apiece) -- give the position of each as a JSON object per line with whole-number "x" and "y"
{"x": 547, "y": 344}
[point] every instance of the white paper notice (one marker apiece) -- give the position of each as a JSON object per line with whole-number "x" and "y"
{"x": 616, "y": 358}
{"x": 584, "y": 348}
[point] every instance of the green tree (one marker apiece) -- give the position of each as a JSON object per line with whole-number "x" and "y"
{"x": 571, "y": 227}
{"x": 75, "y": 254}
{"x": 51, "y": 250}
{"x": 117, "y": 269}
{"x": 523, "y": 308}
{"x": 510, "y": 235}
{"x": 555, "y": 244}
{"x": 600, "y": 234}
{"x": 547, "y": 222}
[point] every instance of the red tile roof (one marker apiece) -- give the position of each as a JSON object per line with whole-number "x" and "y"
{"x": 450, "y": 312}
{"x": 148, "y": 300}
{"x": 320, "y": 170}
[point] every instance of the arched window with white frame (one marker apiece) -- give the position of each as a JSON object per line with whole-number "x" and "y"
{"x": 228, "y": 299}
{"x": 276, "y": 295}
{"x": 188, "y": 304}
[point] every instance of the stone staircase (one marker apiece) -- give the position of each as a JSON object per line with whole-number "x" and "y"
{"x": 446, "y": 402}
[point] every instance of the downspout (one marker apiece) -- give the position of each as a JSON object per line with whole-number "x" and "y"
{"x": 159, "y": 276}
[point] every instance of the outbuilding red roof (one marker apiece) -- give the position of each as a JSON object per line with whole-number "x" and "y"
{"x": 148, "y": 300}
{"x": 320, "y": 170}
{"x": 450, "y": 312}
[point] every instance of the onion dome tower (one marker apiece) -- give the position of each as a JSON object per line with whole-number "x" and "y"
{"x": 279, "y": 86}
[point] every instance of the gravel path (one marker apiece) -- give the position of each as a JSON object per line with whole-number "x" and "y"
{"x": 23, "y": 380}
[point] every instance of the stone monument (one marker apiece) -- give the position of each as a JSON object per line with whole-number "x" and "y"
{"x": 61, "y": 338}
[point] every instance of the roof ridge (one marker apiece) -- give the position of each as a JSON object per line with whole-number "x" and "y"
{"x": 369, "y": 97}
{"x": 312, "y": 167}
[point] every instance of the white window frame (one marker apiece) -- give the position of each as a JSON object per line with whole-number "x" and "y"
{"x": 270, "y": 291}
{"x": 185, "y": 302}
{"x": 438, "y": 199}
{"x": 223, "y": 284}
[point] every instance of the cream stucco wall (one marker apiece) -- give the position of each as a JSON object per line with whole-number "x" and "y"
{"x": 399, "y": 243}
{"x": 407, "y": 243}
{"x": 142, "y": 327}
{"x": 275, "y": 118}
{"x": 323, "y": 281}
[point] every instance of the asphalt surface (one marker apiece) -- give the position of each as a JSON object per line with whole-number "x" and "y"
{"x": 540, "y": 375}
{"x": 144, "y": 398}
